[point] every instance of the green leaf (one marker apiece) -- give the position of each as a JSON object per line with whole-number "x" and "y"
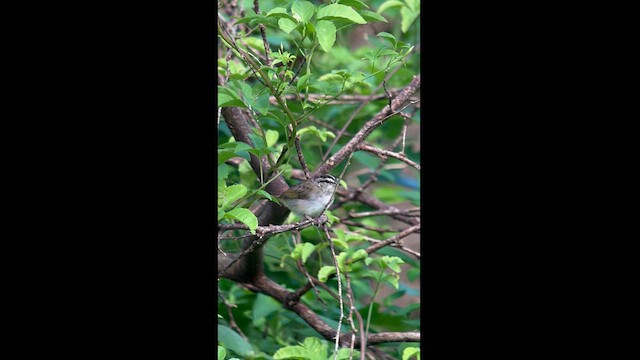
{"x": 302, "y": 81}
{"x": 277, "y": 11}
{"x": 220, "y": 214}
{"x": 303, "y": 251}
{"x": 228, "y": 97}
{"x": 356, "y": 4}
{"x": 342, "y": 261}
{"x": 261, "y": 104}
{"x": 266, "y": 195}
{"x": 224, "y": 156}
{"x": 340, "y": 243}
{"x": 413, "y": 4}
{"x": 344, "y": 354}
{"x": 264, "y": 306}
{"x": 393, "y": 280}
{"x": 332, "y": 218}
{"x": 372, "y": 16}
{"x": 315, "y": 346}
{"x": 326, "y": 33}
{"x": 257, "y": 141}
{"x": 388, "y": 36}
{"x": 222, "y": 352}
{"x": 393, "y": 262}
{"x": 325, "y": 271}
{"x": 225, "y": 100}
{"x": 272, "y": 137}
{"x": 303, "y": 9}
{"x": 408, "y": 16}
{"x": 388, "y": 5}
{"x": 359, "y": 255}
{"x": 233, "y": 193}
{"x": 287, "y": 25}
{"x": 245, "y": 216}
{"x": 409, "y": 352}
{"x": 413, "y": 274}
{"x": 293, "y": 352}
{"x": 231, "y": 340}
{"x": 340, "y": 11}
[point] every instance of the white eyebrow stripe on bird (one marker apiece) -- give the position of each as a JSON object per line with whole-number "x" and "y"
{"x": 327, "y": 179}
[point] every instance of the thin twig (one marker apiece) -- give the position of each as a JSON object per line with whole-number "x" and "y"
{"x": 352, "y": 308}
{"x": 392, "y": 240}
{"x": 267, "y": 50}
{"x": 369, "y": 127}
{"x": 335, "y": 262}
{"x": 301, "y": 158}
{"x": 232, "y": 321}
{"x": 392, "y": 154}
{"x": 405, "y": 212}
{"x": 362, "y": 105}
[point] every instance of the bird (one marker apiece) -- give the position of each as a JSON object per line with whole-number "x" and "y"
{"x": 311, "y": 197}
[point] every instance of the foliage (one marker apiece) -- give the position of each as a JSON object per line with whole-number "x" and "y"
{"x": 301, "y": 90}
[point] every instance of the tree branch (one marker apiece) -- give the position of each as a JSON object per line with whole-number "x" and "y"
{"x": 392, "y": 154}
{"x": 369, "y": 126}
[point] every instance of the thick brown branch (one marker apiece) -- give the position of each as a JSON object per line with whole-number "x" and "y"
{"x": 386, "y": 337}
{"x": 267, "y": 286}
{"x": 270, "y": 213}
{"x": 369, "y": 127}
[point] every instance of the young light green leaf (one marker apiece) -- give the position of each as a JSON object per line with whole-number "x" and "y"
{"x": 345, "y": 354}
{"x": 315, "y": 346}
{"x": 356, "y": 4}
{"x": 292, "y": 352}
{"x": 409, "y": 352}
{"x": 326, "y": 33}
{"x": 393, "y": 280}
{"x": 388, "y": 5}
{"x": 408, "y": 16}
{"x": 277, "y": 11}
{"x": 413, "y": 4}
{"x": 342, "y": 261}
{"x": 359, "y": 255}
{"x": 303, "y": 9}
{"x": 325, "y": 271}
{"x": 303, "y": 251}
{"x": 393, "y": 262}
{"x": 340, "y": 11}
{"x": 222, "y": 352}
{"x": 332, "y": 218}
{"x": 340, "y": 243}
{"x": 245, "y": 216}
{"x": 272, "y": 137}
{"x": 287, "y": 25}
